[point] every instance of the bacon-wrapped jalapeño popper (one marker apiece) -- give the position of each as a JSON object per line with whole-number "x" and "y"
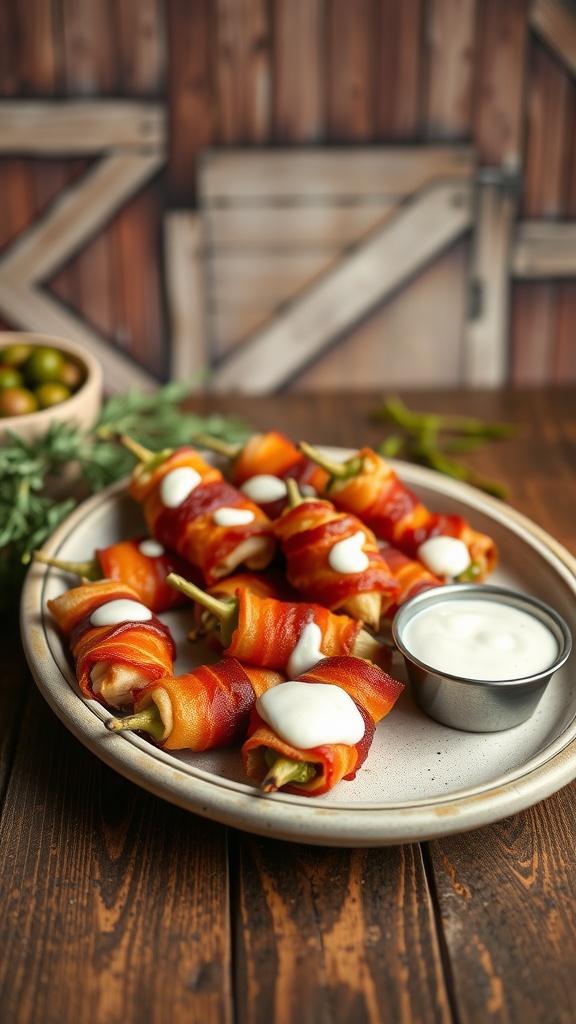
{"x": 287, "y": 636}
{"x": 142, "y": 562}
{"x": 332, "y": 558}
{"x": 261, "y": 466}
{"x": 207, "y": 708}
{"x": 192, "y": 509}
{"x": 309, "y": 733}
{"x": 271, "y": 582}
{"x": 117, "y": 644}
{"x": 367, "y": 485}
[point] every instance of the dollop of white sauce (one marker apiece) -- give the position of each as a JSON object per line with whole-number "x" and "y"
{"x": 444, "y": 556}
{"x": 121, "y": 609}
{"x": 151, "y": 548}
{"x": 309, "y": 715}
{"x": 307, "y": 651}
{"x": 480, "y": 639}
{"x": 233, "y": 516}
{"x": 176, "y": 485}
{"x": 264, "y": 488}
{"x": 347, "y": 556}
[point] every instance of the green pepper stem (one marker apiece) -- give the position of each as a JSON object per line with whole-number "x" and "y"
{"x": 293, "y": 493}
{"x": 88, "y": 570}
{"x": 148, "y": 720}
{"x": 337, "y": 470}
{"x": 284, "y": 771}
{"x": 225, "y": 612}
{"x": 145, "y": 456}
{"x": 216, "y": 444}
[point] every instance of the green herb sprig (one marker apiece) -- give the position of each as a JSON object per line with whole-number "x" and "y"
{"x": 432, "y": 440}
{"x": 43, "y": 480}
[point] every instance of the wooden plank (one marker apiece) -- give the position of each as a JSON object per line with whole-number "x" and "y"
{"x": 185, "y": 289}
{"x": 141, "y": 47}
{"x": 564, "y": 363}
{"x": 351, "y": 58}
{"x": 32, "y": 310}
{"x": 290, "y": 968}
{"x": 555, "y": 21}
{"x": 191, "y": 98}
{"x": 262, "y": 281}
{"x": 399, "y": 70}
{"x": 256, "y": 175}
{"x": 500, "y": 82}
{"x": 544, "y": 249}
{"x": 77, "y": 215}
{"x": 421, "y": 230}
{"x": 27, "y": 48}
{"x": 451, "y": 38}
{"x": 226, "y": 328}
{"x": 243, "y": 70}
{"x": 78, "y": 127}
{"x": 532, "y": 334}
{"x": 486, "y": 341}
{"x": 298, "y": 98}
{"x": 294, "y": 227}
{"x": 414, "y": 339}
{"x": 550, "y": 115}
{"x": 88, "y": 48}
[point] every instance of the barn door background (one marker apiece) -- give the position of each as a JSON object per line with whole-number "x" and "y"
{"x": 295, "y": 193}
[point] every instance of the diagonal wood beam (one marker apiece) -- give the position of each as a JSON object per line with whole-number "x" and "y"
{"x": 422, "y": 229}
{"x": 555, "y": 21}
{"x": 76, "y": 215}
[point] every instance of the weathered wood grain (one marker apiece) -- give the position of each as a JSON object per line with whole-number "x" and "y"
{"x": 190, "y": 87}
{"x": 351, "y": 61}
{"x": 185, "y": 283}
{"x": 450, "y": 34}
{"x": 500, "y": 82}
{"x": 243, "y": 71}
{"x": 79, "y": 126}
{"x": 555, "y": 22}
{"x": 328, "y": 937}
{"x": 298, "y": 71}
{"x": 399, "y": 67}
{"x": 81, "y": 941}
{"x": 419, "y": 232}
{"x": 543, "y": 248}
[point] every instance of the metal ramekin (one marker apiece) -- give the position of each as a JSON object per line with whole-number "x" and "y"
{"x": 478, "y": 705}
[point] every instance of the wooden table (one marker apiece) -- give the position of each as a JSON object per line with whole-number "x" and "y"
{"x": 118, "y": 907}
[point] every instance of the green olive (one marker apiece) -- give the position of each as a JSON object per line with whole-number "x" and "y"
{"x": 51, "y": 393}
{"x": 71, "y": 375}
{"x": 43, "y": 364}
{"x": 17, "y": 402}
{"x": 15, "y": 355}
{"x": 10, "y": 377}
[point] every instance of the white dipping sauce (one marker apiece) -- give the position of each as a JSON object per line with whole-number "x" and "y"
{"x": 176, "y": 485}
{"x": 446, "y": 557}
{"x": 233, "y": 516}
{"x": 264, "y": 488}
{"x": 151, "y": 548}
{"x": 480, "y": 639}
{"x": 347, "y": 556}
{"x": 307, "y": 651}
{"x": 309, "y": 715}
{"x": 122, "y": 609}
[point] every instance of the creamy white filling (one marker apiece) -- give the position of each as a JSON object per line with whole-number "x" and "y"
{"x": 264, "y": 488}
{"x": 122, "y": 609}
{"x": 233, "y": 516}
{"x": 347, "y": 556}
{"x": 307, "y": 651}
{"x": 176, "y": 485}
{"x": 308, "y": 715}
{"x": 151, "y": 548}
{"x": 115, "y": 682}
{"x": 444, "y": 556}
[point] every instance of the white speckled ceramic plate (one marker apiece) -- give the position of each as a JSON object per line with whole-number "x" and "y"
{"x": 421, "y": 780}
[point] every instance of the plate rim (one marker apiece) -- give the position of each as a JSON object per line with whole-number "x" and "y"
{"x": 296, "y": 818}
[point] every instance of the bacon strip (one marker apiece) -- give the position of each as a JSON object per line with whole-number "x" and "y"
{"x": 373, "y": 691}
{"x": 395, "y": 514}
{"x": 268, "y": 630}
{"x": 307, "y": 534}
{"x": 411, "y": 576}
{"x": 190, "y": 528}
{"x": 146, "y": 574}
{"x": 273, "y": 453}
{"x": 209, "y": 707}
{"x": 147, "y": 647}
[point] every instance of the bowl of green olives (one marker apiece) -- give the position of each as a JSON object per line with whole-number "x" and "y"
{"x": 45, "y": 379}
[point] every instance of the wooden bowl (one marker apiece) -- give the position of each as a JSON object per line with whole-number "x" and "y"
{"x": 80, "y": 410}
